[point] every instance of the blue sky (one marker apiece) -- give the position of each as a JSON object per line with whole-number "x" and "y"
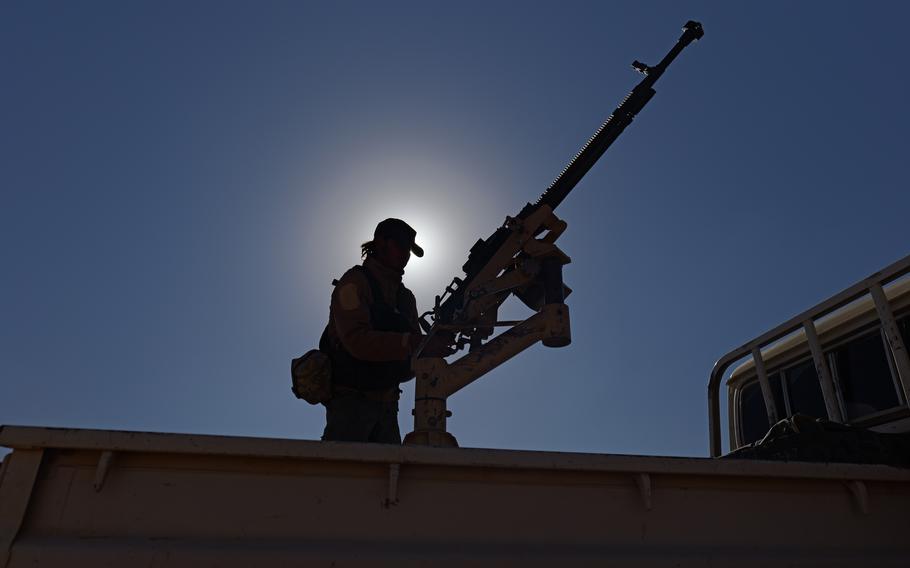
{"x": 180, "y": 182}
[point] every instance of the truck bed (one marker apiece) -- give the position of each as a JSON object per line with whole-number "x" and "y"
{"x": 113, "y": 498}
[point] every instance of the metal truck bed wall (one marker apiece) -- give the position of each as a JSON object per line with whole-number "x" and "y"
{"x": 108, "y": 498}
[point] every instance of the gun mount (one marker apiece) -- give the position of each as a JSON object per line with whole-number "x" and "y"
{"x": 519, "y": 258}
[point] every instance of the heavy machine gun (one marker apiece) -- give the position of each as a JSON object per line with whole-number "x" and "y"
{"x": 519, "y": 258}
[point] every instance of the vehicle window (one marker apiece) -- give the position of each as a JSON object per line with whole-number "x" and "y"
{"x": 804, "y": 391}
{"x": 752, "y": 408}
{"x": 865, "y": 376}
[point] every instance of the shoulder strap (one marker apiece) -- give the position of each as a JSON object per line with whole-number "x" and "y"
{"x": 374, "y": 286}
{"x": 402, "y": 298}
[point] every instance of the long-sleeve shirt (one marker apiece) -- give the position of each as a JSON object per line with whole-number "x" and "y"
{"x": 349, "y": 314}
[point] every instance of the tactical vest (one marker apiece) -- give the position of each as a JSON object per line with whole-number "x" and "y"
{"x": 355, "y": 373}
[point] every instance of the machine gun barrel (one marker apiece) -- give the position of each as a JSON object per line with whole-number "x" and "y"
{"x": 610, "y": 130}
{"x": 484, "y": 250}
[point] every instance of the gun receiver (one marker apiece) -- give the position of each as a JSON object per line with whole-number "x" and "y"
{"x": 519, "y": 258}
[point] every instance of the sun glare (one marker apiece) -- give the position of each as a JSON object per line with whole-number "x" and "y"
{"x": 425, "y": 192}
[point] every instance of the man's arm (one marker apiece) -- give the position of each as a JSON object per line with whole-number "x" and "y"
{"x": 440, "y": 345}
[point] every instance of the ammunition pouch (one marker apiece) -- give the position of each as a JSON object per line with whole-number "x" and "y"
{"x": 311, "y": 377}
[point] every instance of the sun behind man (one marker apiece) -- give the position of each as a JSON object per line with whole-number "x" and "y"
{"x": 370, "y": 337}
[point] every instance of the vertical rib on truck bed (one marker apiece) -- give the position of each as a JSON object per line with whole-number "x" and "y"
{"x": 103, "y": 498}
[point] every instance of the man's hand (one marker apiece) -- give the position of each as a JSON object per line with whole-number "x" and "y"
{"x": 439, "y": 346}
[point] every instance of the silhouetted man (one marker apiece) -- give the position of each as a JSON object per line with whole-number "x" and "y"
{"x": 371, "y": 335}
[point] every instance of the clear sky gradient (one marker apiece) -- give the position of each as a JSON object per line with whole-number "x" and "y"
{"x": 181, "y": 181}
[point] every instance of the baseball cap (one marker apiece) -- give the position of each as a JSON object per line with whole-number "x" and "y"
{"x": 399, "y": 230}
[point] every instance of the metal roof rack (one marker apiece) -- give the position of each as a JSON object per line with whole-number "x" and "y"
{"x": 872, "y": 285}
